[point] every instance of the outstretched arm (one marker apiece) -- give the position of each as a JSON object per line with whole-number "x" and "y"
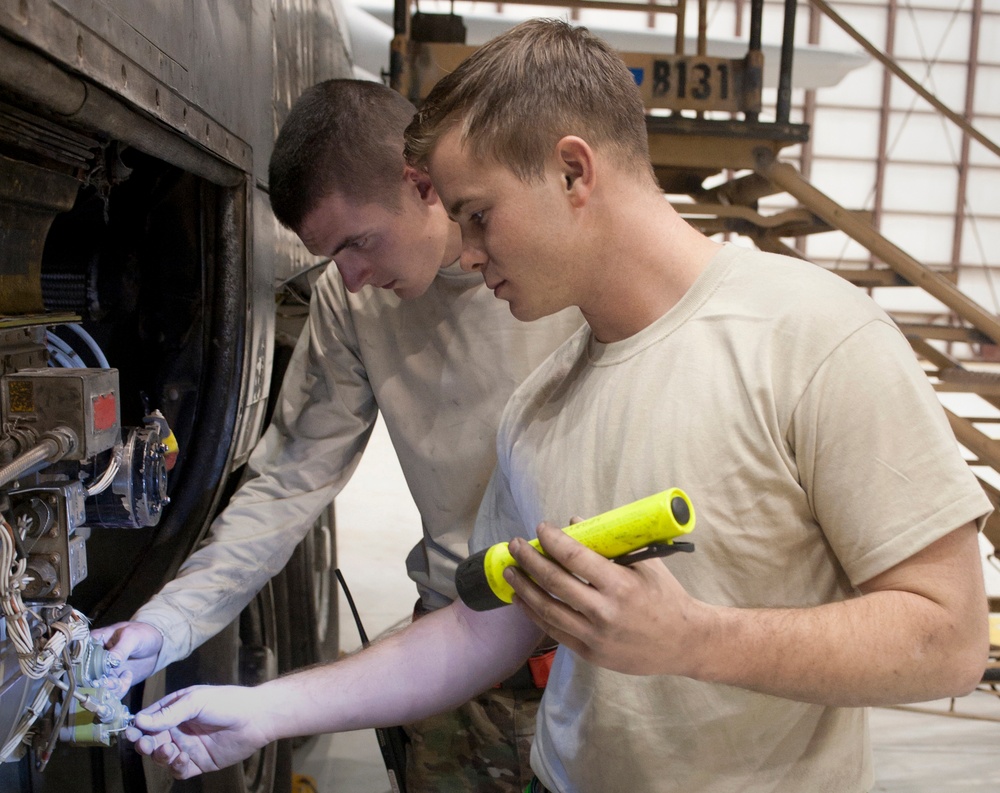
{"x": 301, "y": 462}
{"x": 918, "y": 631}
{"x": 438, "y": 662}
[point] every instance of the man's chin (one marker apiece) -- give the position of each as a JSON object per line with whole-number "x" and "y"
{"x": 409, "y": 291}
{"x": 522, "y": 312}
{"x": 415, "y": 284}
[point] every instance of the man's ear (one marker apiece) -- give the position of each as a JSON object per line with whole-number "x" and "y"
{"x": 575, "y": 160}
{"x": 422, "y": 182}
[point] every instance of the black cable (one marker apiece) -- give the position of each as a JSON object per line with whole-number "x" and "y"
{"x": 391, "y": 740}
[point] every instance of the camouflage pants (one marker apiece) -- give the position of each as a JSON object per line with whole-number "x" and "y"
{"x": 482, "y": 747}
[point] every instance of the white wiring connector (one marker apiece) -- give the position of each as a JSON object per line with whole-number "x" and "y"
{"x": 67, "y": 638}
{"x": 108, "y": 477}
{"x": 12, "y": 581}
{"x": 38, "y": 706}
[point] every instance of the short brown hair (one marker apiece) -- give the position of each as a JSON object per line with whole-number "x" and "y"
{"x": 517, "y": 95}
{"x": 341, "y": 136}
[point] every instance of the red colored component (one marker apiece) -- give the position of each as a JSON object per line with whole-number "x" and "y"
{"x": 540, "y": 666}
{"x": 105, "y": 412}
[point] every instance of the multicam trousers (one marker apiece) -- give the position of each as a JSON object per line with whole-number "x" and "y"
{"x": 482, "y": 747}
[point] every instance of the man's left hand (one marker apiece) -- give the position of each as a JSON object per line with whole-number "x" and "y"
{"x": 200, "y": 729}
{"x": 634, "y": 619}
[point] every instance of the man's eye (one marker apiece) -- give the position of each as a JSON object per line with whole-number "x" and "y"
{"x": 477, "y": 218}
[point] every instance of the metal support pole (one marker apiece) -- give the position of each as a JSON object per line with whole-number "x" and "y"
{"x": 784, "y": 106}
{"x": 702, "y": 27}
{"x": 756, "y": 23}
{"x": 397, "y": 50}
{"x": 681, "y": 23}
{"x": 882, "y": 147}
{"x": 961, "y": 199}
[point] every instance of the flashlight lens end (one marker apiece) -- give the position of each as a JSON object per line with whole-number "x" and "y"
{"x": 680, "y": 509}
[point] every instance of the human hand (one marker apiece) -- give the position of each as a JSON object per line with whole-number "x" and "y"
{"x": 199, "y": 729}
{"x": 635, "y": 619}
{"x": 135, "y": 646}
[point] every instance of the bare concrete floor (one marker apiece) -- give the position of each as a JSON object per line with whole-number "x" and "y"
{"x": 377, "y": 524}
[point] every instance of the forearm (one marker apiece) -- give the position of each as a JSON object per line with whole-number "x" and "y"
{"x": 302, "y": 461}
{"x": 880, "y": 649}
{"x": 249, "y": 544}
{"x": 896, "y": 643}
{"x": 438, "y": 662}
{"x": 917, "y": 632}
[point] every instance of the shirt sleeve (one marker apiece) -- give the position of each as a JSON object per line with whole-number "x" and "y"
{"x": 876, "y": 456}
{"x": 321, "y": 425}
{"x": 498, "y": 519}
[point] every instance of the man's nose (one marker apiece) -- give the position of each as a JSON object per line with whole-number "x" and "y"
{"x": 354, "y": 276}
{"x": 472, "y": 259}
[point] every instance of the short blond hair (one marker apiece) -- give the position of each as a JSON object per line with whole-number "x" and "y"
{"x": 523, "y": 91}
